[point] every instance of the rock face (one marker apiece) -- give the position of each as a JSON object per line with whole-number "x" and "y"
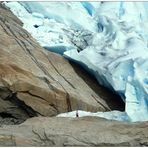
{"x": 36, "y": 82}
{"x": 88, "y": 131}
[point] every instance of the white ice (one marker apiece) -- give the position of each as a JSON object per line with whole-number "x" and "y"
{"x": 118, "y": 55}
{"x": 112, "y": 115}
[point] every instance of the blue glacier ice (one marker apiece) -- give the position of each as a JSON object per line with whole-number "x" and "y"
{"x": 110, "y": 39}
{"x": 88, "y": 7}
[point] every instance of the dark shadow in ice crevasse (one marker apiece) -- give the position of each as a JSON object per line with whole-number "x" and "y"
{"x": 100, "y": 27}
{"x": 60, "y": 49}
{"x": 113, "y": 100}
{"x": 146, "y": 81}
{"x": 36, "y": 26}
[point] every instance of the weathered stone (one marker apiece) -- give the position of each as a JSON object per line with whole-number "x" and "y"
{"x": 86, "y": 131}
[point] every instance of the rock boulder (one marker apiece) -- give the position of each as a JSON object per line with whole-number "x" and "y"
{"x": 86, "y": 131}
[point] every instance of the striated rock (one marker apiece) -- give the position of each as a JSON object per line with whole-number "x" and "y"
{"x": 36, "y": 82}
{"x": 88, "y": 131}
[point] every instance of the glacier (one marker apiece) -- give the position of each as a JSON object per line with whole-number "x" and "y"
{"x": 109, "y": 39}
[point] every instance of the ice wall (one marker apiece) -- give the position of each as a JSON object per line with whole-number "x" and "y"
{"x": 118, "y": 54}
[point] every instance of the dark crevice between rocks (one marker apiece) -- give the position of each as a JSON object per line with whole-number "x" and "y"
{"x": 8, "y": 119}
{"x": 68, "y": 103}
{"x": 12, "y": 110}
{"x": 6, "y": 115}
{"x": 112, "y": 99}
{"x": 27, "y": 110}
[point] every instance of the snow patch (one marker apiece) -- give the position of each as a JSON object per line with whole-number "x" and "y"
{"x": 112, "y": 115}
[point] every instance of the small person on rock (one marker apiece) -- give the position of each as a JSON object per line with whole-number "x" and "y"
{"x": 77, "y": 114}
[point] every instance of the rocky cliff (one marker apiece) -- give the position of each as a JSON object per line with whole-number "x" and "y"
{"x": 35, "y": 82}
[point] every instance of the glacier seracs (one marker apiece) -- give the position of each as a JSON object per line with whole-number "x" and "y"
{"x": 110, "y": 39}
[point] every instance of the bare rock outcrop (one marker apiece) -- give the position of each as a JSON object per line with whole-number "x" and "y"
{"x": 86, "y": 131}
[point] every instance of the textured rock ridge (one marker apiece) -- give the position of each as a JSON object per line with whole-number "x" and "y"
{"x": 88, "y": 131}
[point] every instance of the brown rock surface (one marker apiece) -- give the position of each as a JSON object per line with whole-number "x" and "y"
{"x": 34, "y": 81}
{"x": 86, "y": 131}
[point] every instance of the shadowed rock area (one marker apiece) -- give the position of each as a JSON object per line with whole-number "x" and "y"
{"x": 88, "y": 131}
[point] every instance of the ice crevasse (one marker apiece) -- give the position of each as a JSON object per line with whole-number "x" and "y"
{"x": 110, "y": 39}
